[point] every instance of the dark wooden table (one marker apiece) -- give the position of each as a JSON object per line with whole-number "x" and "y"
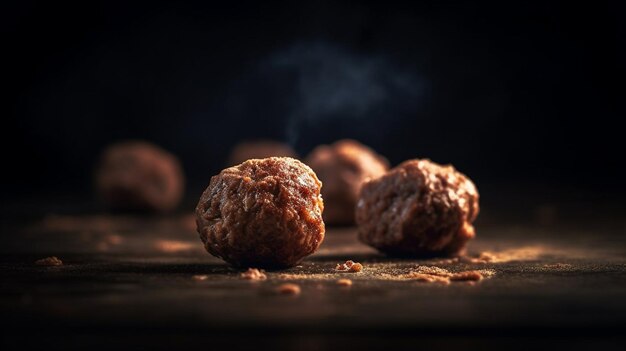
{"x": 129, "y": 282}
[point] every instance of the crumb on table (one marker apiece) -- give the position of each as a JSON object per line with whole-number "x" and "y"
{"x": 349, "y": 266}
{"x": 200, "y": 277}
{"x": 49, "y": 261}
{"x": 428, "y": 278}
{"x": 467, "y": 276}
{"x": 254, "y": 274}
{"x": 431, "y": 274}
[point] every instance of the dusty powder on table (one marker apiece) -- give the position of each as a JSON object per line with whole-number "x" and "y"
{"x": 254, "y": 274}
{"x": 432, "y": 270}
{"x": 432, "y": 274}
{"x": 445, "y": 261}
{"x": 526, "y": 253}
{"x": 557, "y": 265}
{"x": 427, "y": 278}
{"x": 49, "y": 261}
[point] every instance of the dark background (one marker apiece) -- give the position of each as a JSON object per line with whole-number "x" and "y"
{"x": 519, "y": 93}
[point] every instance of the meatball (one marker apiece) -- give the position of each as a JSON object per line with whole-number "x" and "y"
{"x": 343, "y": 167}
{"x": 139, "y": 176}
{"x": 262, "y": 213}
{"x": 418, "y": 208}
{"x": 259, "y": 149}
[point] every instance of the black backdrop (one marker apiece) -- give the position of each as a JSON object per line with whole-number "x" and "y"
{"x": 514, "y": 92}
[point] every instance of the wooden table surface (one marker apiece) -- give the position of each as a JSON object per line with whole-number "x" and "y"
{"x": 129, "y": 281}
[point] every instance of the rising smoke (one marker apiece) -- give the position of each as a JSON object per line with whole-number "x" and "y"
{"x": 312, "y": 84}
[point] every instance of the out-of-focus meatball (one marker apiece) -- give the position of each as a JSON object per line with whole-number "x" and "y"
{"x": 343, "y": 167}
{"x": 418, "y": 208}
{"x": 259, "y": 149}
{"x": 139, "y": 176}
{"x": 262, "y": 213}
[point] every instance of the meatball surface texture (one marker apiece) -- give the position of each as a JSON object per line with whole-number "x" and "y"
{"x": 262, "y": 213}
{"x": 419, "y": 209}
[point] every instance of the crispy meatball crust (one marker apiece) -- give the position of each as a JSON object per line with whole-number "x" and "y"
{"x": 418, "y": 208}
{"x": 139, "y": 176}
{"x": 343, "y": 167}
{"x": 262, "y": 213}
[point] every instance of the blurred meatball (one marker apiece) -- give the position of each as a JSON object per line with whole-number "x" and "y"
{"x": 259, "y": 149}
{"x": 139, "y": 176}
{"x": 418, "y": 208}
{"x": 343, "y": 167}
{"x": 262, "y": 213}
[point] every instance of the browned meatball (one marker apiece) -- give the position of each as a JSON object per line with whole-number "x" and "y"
{"x": 259, "y": 149}
{"x": 136, "y": 175}
{"x": 418, "y": 208}
{"x": 343, "y": 167}
{"x": 262, "y": 213}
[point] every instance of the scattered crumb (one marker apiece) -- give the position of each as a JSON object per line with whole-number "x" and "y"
{"x": 557, "y": 265}
{"x": 344, "y": 282}
{"x": 349, "y": 266}
{"x": 288, "y": 289}
{"x": 307, "y": 276}
{"x": 428, "y": 278}
{"x": 200, "y": 277}
{"x": 173, "y": 246}
{"x": 432, "y": 270}
{"x": 486, "y": 273}
{"x": 254, "y": 274}
{"x": 49, "y": 261}
{"x": 466, "y": 276}
{"x": 432, "y": 274}
{"x": 483, "y": 257}
{"x": 357, "y": 267}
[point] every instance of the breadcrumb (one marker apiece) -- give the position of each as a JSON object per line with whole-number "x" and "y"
{"x": 254, "y": 274}
{"x": 428, "y": 278}
{"x": 49, "y": 261}
{"x": 431, "y": 274}
{"x": 200, "y": 277}
{"x": 466, "y": 276}
{"x": 349, "y": 266}
{"x": 432, "y": 270}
